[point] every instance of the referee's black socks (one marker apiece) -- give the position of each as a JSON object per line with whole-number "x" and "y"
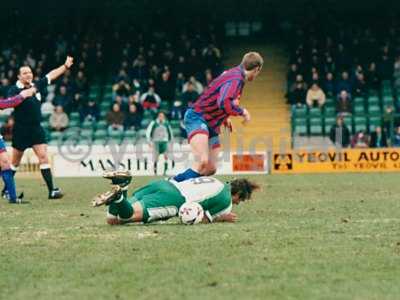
{"x": 46, "y": 174}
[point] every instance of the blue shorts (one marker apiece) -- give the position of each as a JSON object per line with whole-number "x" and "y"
{"x": 2, "y": 145}
{"x": 195, "y": 124}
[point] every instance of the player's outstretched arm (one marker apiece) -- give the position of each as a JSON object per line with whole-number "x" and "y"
{"x": 18, "y": 99}
{"x": 228, "y": 217}
{"x": 54, "y": 74}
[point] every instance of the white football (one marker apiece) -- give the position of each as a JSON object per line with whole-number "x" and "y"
{"x": 191, "y": 213}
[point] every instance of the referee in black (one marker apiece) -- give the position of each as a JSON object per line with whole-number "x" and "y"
{"x": 28, "y": 132}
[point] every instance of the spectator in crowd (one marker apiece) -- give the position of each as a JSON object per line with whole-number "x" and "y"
{"x": 150, "y": 100}
{"x": 58, "y": 120}
{"x": 378, "y": 138}
{"x": 81, "y": 91}
{"x": 315, "y": 96}
{"x": 166, "y": 88}
{"x": 133, "y": 118}
{"x": 340, "y": 134}
{"x": 208, "y": 77}
{"x": 121, "y": 89}
{"x": 198, "y": 87}
{"x": 385, "y": 67}
{"x": 90, "y": 112}
{"x": 396, "y": 137}
{"x": 122, "y": 102}
{"x": 329, "y": 86}
{"x": 7, "y": 129}
{"x": 180, "y": 81}
{"x": 360, "y": 88}
{"x": 396, "y": 75}
{"x": 47, "y": 108}
{"x": 291, "y": 75}
{"x": 360, "y": 140}
{"x": 373, "y": 79}
{"x": 389, "y": 119}
{"x": 136, "y": 88}
{"x": 115, "y": 119}
{"x": 343, "y": 104}
{"x": 63, "y": 99}
{"x": 189, "y": 96}
{"x": 298, "y": 95}
{"x": 344, "y": 84}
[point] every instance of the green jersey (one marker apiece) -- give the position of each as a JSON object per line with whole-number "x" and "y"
{"x": 213, "y": 195}
{"x": 159, "y": 132}
{"x": 162, "y": 199}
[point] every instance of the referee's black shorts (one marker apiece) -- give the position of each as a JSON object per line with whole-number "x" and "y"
{"x": 25, "y": 137}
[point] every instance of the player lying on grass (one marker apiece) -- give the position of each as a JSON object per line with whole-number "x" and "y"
{"x": 5, "y": 162}
{"x": 161, "y": 200}
{"x": 212, "y": 109}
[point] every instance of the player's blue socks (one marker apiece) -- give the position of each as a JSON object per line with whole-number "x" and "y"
{"x": 8, "y": 178}
{"x": 188, "y": 174}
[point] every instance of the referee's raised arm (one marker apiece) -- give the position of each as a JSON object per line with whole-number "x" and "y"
{"x": 54, "y": 74}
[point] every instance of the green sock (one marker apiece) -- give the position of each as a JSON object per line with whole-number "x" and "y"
{"x": 165, "y": 167}
{"x": 125, "y": 209}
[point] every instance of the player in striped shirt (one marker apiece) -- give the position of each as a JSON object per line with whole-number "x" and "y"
{"x": 5, "y": 164}
{"x": 212, "y": 109}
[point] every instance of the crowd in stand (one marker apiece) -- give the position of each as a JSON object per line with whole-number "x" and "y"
{"x": 336, "y": 65}
{"x": 161, "y": 76}
{"x": 148, "y": 72}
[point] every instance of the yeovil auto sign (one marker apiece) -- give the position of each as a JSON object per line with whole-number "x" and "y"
{"x": 349, "y": 160}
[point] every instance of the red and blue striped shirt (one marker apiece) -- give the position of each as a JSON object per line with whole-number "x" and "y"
{"x": 221, "y": 98}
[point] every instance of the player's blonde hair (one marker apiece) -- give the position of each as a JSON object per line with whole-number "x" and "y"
{"x": 252, "y": 60}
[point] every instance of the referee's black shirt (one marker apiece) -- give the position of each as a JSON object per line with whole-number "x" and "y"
{"x": 28, "y": 113}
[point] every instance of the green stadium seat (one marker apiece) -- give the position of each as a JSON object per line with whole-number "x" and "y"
{"x": 55, "y": 135}
{"x": 301, "y": 130}
{"x": 175, "y": 123}
{"x": 329, "y": 122}
{"x": 359, "y": 109}
{"x": 375, "y": 121}
{"x": 148, "y": 114}
{"x": 387, "y": 100}
{"x": 142, "y": 133}
{"x": 53, "y": 142}
{"x": 145, "y": 122}
{"x": 164, "y": 105}
{"x": 105, "y": 106}
{"x": 74, "y": 116}
{"x": 99, "y": 142}
{"x": 359, "y": 101}
{"x": 88, "y": 125}
{"x": 86, "y": 133}
{"x": 373, "y": 100}
{"x": 100, "y": 134}
{"x": 103, "y": 114}
{"x": 374, "y": 109}
{"x": 73, "y": 123}
{"x": 300, "y": 111}
{"x": 102, "y": 125}
{"x": 360, "y": 120}
{"x": 86, "y": 142}
{"x": 116, "y": 134}
{"x": 348, "y": 120}
{"x": 315, "y": 112}
{"x": 330, "y": 111}
{"x": 386, "y": 84}
{"x": 45, "y": 125}
{"x": 329, "y": 101}
{"x": 176, "y": 132}
{"x": 315, "y": 129}
{"x": 360, "y": 127}
{"x": 130, "y": 134}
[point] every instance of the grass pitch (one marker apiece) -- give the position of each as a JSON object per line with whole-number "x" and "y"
{"x": 303, "y": 237}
